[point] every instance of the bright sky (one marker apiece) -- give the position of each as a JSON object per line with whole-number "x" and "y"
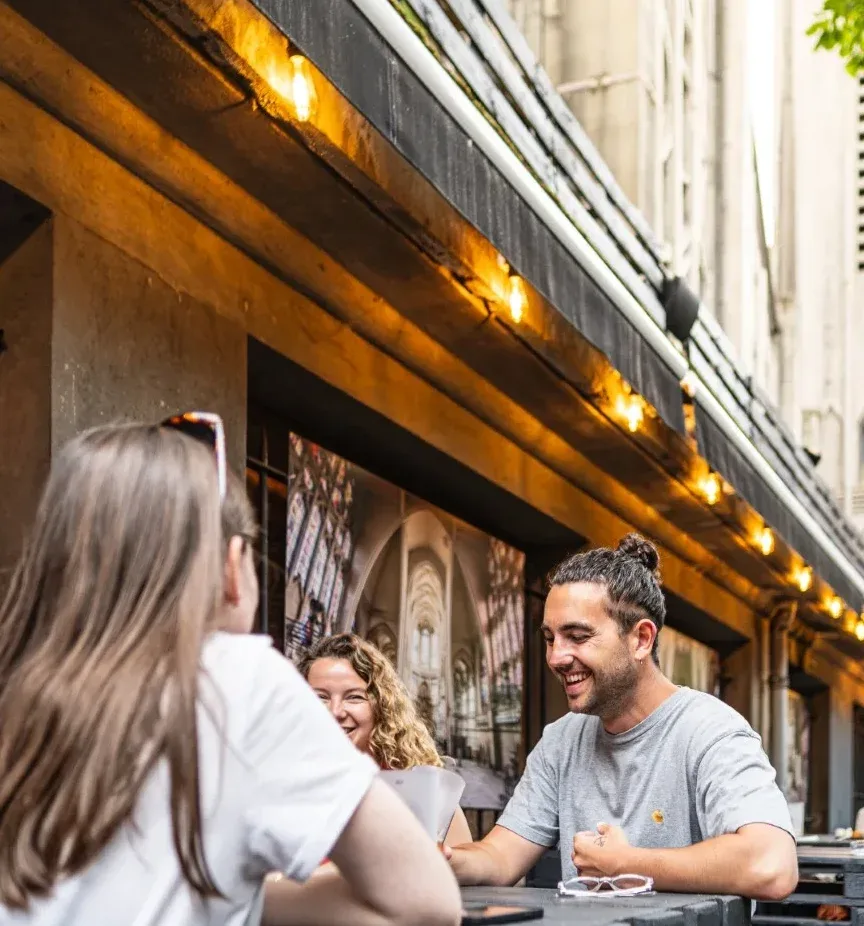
{"x": 761, "y": 32}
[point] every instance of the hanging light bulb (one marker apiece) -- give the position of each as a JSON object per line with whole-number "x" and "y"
{"x": 712, "y": 488}
{"x": 804, "y": 578}
{"x": 765, "y": 541}
{"x": 517, "y": 298}
{"x": 630, "y": 409}
{"x": 835, "y": 607}
{"x": 689, "y": 384}
{"x": 859, "y": 630}
{"x": 303, "y": 95}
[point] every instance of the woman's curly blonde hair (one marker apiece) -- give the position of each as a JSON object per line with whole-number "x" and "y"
{"x": 399, "y": 738}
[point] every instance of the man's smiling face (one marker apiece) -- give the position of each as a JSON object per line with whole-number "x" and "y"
{"x": 586, "y": 650}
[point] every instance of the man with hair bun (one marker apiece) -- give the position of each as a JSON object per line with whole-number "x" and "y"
{"x": 641, "y": 777}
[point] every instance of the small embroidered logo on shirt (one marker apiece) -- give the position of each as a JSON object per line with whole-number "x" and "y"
{"x": 658, "y": 817}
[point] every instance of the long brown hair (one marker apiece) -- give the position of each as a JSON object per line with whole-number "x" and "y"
{"x": 399, "y": 738}
{"x": 102, "y": 630}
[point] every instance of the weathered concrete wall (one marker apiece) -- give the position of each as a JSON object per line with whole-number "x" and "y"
{"x": 94, "y": 337}
{"x": 820, "y": 750}
{"x": 25, "y": 389}
{"x": 740, "y": 675}
{"x": 127, "y": 346}
{"x": 840, "y": 760}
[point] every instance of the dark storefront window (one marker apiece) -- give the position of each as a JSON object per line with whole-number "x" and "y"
{"x": 342, "y": 549}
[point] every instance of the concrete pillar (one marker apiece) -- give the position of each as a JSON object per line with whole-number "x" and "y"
{"x": 740, "y": 682}
{"x": 25, "y": 389}
{"x": 820, "y": 750}
{"x": 96, "y": 337}
{"x": 764, "y": 628}
{"x": 780, "y": 624}
{"x": 127, "y": 346}
{"x": 841, "y": 760}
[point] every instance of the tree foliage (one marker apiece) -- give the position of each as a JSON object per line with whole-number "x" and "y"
{"x": 839, "y": 26}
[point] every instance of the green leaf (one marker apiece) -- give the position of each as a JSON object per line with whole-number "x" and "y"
{"x": 839, "y": 27}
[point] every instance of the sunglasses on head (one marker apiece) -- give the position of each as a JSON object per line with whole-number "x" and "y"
{"x": 207, "y": 428}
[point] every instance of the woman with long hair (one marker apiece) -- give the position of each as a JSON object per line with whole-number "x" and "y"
{"x": 359, "y": 686}
{"x": 152, "y": 768}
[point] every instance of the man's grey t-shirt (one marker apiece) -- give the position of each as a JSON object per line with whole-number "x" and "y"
{"x": 692, "y": 770}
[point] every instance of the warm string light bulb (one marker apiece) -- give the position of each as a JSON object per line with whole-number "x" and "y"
{"x": 859, "y": 630}
{"x": 630, "y": 409}
{"x": 303, "y": 95}
{"x": 765, "y": 541}
{"x": 804, "y": 578}
{"x": 517, "y": 298}
{"x": 712, "y": 488}
{"x": 835, "y": 607}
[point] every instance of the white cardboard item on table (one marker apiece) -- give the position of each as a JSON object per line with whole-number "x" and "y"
{"x": 431, "y": 793}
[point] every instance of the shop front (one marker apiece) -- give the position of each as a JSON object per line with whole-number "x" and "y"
{"x": 436, "y": 388}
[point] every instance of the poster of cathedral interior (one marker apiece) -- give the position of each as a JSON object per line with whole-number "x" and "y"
{"x": 444, "y": 601}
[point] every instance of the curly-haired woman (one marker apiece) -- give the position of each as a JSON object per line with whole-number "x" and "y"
{"x": 360, "y": 688}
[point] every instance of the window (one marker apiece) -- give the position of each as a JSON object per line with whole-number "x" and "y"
{"x": 505, "y": 605}
{"x": 426, "y": 615}
{"x": 318, "y": 542}
{"x": 687, "y": 662}
{"x": 425, "y": 647}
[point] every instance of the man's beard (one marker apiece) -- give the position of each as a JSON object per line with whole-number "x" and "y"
{"x": 612, "y": 689}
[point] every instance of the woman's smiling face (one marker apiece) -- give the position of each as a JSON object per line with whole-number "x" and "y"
{"x": 345, "y": 695}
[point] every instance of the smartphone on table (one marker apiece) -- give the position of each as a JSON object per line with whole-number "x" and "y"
{"x": 483, "y": 914}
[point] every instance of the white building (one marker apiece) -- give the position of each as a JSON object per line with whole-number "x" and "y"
{"x": 676, "y": 94}
{"x": 820, "y": 204}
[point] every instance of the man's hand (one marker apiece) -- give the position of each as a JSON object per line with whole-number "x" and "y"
{"x": 758, "y": 861}
{"x": 601, "y": 853}
{"x": 501, "y": 858}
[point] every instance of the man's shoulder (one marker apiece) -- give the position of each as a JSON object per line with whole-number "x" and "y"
{"x": 568, "y": 730}
{"x": 698, "y": 704}
{"x": 703, "y": 720}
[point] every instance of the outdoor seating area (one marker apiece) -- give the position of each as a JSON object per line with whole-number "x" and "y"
{"x": 431, "y": 462}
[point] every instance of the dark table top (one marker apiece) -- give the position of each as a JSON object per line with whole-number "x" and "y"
{"x": 825, "y": 855}
{"x": 651, "y": 910}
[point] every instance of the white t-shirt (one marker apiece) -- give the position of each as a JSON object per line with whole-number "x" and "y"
{"x": 278, "y": 787}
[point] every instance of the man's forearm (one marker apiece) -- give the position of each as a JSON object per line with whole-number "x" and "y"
{"x": 500, "y": 859}
{"x": 477, "y": 863}
{"x": 723, "y": 865}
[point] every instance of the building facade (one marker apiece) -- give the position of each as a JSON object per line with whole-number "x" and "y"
{"x": 821, "y": 167}
{"x": 439, "y": 368}
{"x": 676, "y": 94}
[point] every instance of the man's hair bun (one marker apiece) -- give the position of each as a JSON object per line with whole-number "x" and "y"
{"x": 640, "y": 549}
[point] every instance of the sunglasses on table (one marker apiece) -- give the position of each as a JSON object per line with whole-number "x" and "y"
{"x": 207, "y": 428}
{"x": 619, "y": 886}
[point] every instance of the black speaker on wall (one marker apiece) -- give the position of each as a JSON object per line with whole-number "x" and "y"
{"x": 682, "y": 308}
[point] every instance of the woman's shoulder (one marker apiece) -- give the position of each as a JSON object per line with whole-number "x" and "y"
{"x": 234, "y": 652}
{"x": 220, "y": 642}
{"x": 248, "y": 666}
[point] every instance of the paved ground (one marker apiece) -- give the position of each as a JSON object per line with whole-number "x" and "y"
{"x": 484, "y": 787}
